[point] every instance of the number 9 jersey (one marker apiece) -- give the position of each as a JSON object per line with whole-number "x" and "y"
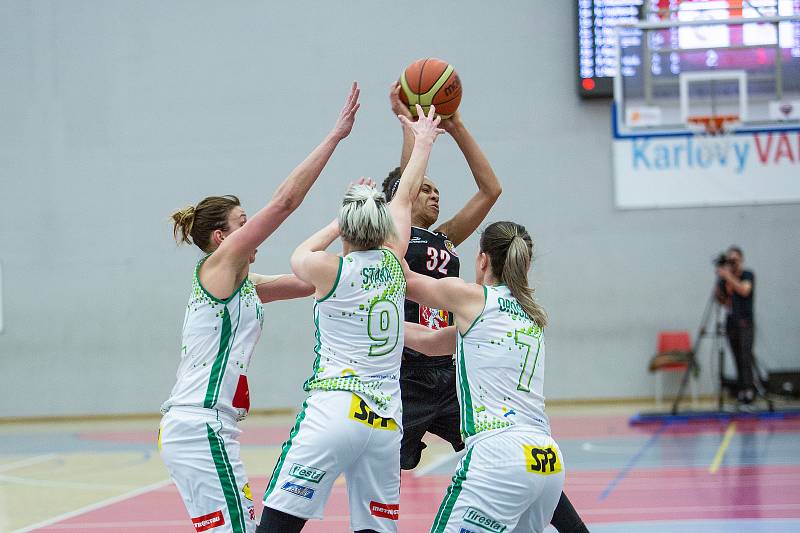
{"x": 360, "y": 331}
{"x": 500, "y": 367}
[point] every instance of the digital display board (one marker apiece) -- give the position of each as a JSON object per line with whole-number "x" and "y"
{"x": 718, "y": 45}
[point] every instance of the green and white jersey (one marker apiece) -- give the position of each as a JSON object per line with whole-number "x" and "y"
{"x": 500, "y": 368}
{"x": 360, "y": 331}
{"x": 219, "y": 337}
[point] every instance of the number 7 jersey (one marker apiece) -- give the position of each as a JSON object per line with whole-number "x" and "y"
{"x": 360, "y": 331}
{"x": 500, "y": 368}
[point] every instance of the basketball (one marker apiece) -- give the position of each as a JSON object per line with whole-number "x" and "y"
{"x": 431, "y": 81}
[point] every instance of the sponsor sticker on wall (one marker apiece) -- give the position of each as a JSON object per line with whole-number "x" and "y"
{"x": 742, "y": 168}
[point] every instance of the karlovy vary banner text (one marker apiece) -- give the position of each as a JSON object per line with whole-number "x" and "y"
{"x": 684, "y": 171}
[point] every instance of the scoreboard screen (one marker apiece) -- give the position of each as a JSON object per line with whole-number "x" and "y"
{"x": 597, "y": 21}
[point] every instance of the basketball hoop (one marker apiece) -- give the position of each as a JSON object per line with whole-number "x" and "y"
{"x": 713, "y": 124}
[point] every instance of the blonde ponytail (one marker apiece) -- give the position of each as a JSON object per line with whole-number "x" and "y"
{"x": 364, "y": 219}
{"x": 510, "y": 251}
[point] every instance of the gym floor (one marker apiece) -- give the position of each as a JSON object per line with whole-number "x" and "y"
{"x": 741, "y": 475}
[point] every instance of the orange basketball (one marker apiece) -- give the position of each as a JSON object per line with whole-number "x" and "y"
{"x": 431, "y": 81}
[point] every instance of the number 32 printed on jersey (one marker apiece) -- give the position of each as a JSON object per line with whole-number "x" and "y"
{"x": 437, "y": 260}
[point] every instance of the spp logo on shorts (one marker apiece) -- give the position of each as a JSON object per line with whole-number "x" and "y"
{"x": 307, "y": 473}
{"x": 360, "y": 412}
{"x": 477, "y": 518}
{"x": 298, "y": 490}
{"x": 385, "y": 510}
{"x": 208, "y": 521}
{"x": 542, "y": 460}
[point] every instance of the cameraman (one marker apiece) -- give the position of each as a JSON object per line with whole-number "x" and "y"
{"x": 734, "y": 290}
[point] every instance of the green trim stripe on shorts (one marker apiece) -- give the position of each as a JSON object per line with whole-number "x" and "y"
{"x": 467, "y": 420}
{"x": 276, "y": 472}
{"x": 228, "y": 481}
{"x": 453, "y": 492}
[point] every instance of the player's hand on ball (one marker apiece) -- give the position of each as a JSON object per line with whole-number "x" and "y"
{"x": 398, "y": 107}
{"x": 347, "y": 116}
{"x": 451, "y": 123}
{"x": 426, "y": 127}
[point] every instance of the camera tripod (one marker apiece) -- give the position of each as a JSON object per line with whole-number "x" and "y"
{"x": 713, "y": 310}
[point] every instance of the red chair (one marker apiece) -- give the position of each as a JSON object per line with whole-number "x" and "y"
{"x": 673, "y": 355}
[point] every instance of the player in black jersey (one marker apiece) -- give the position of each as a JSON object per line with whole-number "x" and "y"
{"x": 428, "y": 384}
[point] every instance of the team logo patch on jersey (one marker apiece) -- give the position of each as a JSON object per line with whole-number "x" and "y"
{"x": 208, "y": 521}
{"x": 432, "y": 318}
{"x": 241, "y": 398}
{"x": 246, "y": 491}
{"x": 543, "y": 461}
{"x": 314, "y": 475}
{"x": 385, "y": 510}
{"x": 360, "y": 412}
{"x": 298, "y": 490}
{"x": 478, "y": 518}
{"x": 450, "y": 247}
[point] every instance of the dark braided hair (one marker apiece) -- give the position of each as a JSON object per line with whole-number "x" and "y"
{"x": 391, "y": 183}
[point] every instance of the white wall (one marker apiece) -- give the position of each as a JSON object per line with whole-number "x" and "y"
{"x": 112, "y": 114}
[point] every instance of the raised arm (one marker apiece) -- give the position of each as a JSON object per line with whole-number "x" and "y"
{"x": 465, "y": 300}
{"x": 425, "y": 131}
{"x": 280, "y": 287}
{"x": 467, "y": 220}
{"x": 400, "y": 109}
{"x": 290, "y": 194}
{"x": 311, "y": 264}
{"x": 430, "y": 341}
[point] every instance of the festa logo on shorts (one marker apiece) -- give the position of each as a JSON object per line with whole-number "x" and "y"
{"x": 543, "y": 461}
{"x": 209, "y": 521}
{"x": 307, "y": 473}
{"x": 360, "y": 412}
{"x": 385, "y": 510}
{"x": 298, "y": 490}
{"x": 477, "y": 518}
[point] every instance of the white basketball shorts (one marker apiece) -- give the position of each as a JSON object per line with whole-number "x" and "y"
{"x": 336, "y": 432}
{"x": 201, "y": 452}
{"x": 507, "y": 481}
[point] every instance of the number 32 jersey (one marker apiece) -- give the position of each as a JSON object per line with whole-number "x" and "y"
{"x": 431, "y": 254}
{"x": 360, "y": 331}
{"x": 500, "y": 368}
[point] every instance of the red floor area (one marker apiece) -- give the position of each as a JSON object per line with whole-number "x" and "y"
{"x": 655, "y": 494}
{"x": 622, "y": 474}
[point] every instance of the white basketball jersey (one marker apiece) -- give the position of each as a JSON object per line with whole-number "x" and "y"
{"x": 360, "y": 331}
{"x": 500, "y": 368}
{"x": 218, "y": 340}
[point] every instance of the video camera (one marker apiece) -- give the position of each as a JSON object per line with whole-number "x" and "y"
{"x": 720, "y": 260}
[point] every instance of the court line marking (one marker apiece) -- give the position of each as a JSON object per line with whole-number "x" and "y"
{"x": 95, "y": 506}
{"x": 26, "y": 462}
{"x": 632, "y": 462}
{"x": 62, "y": 484}
{"x": 723, "y": 446}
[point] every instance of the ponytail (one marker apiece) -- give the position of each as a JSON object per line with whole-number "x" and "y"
{"x": 510, "y": 251}
{"x": 194, "y": 224}
{"x": 183, "y": 220}
{"x": 364, "y": 219}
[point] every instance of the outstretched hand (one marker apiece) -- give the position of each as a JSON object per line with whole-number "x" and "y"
{"x": 369, "y": 182}
{"x": 347, "y": 116}
{"x": 398, "y": 107}
{"x": 426, "y": 128}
